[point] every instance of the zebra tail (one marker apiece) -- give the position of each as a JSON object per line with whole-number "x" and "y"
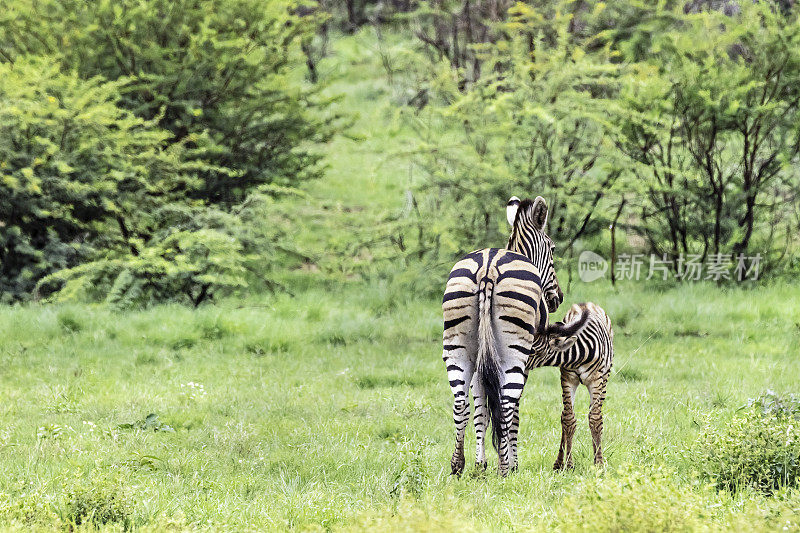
{"x": 559, "y": 329}
{"x": 488, "y": 361}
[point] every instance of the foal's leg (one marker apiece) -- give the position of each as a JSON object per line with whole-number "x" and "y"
{"x": 569, "y": 384}
{"x": 597, "y": 393}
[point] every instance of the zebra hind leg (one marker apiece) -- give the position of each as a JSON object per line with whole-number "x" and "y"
{"x": 597, "y": 394}
{"x": 569, "y": 384}
{"x": 481, "y": 425}
{"x": 510, "y": 408}
{"x": 505, "y": 441}
{"x": 513, "y": 436}
{"x": 459, "y": 373}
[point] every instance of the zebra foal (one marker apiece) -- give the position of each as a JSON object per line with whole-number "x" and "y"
{"x": 581, "y": 345}
{"x": 495, "y": 303}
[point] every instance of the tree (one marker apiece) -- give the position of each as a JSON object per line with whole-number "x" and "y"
{"x": 77, "y": 173}
{"x": 215, "y": 74}
{"x": 533, "y": 123}
{"x": 711, "y": 121}
{"x": 689, "y": 119}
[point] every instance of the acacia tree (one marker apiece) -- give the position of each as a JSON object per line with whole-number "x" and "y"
{"x": 533, "y": 123}
{"x": 78, "y": 174}
{"x": 148, "y": 108}
{"x": 711, "y": 120}
{"x": 693, "y": 114}
{"x": 216, "y": 74}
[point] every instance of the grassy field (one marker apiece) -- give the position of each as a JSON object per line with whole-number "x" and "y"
{"x": 330, "y": 409}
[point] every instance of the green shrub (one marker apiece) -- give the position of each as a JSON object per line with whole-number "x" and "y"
{"x": 217, "y": 74}
{"x": 778, "y": 405}
{"x": 411, "y": 477}
{"x": 187, "y": 266}
{"x": 193, "y": 255}
{"x": 77, "y": 173}
{"x": 631, "y": 500}
{"x": 99, "y": 502}
{"x": 759, "y": 448}
{"x": 69, "y": 322}
{"x": 778, "y": 512}
{"x": 28, "y": 510}
{"x": 133, "y": 135}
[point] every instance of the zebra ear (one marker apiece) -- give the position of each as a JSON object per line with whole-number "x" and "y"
{"x": 562, "y": 344}
{"x": 511, "y": 210}
{"x": 539, "y": 213}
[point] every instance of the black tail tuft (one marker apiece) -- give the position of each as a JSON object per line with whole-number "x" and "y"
{"x": 492, "y": 389}
{"x": 567, "y": 330}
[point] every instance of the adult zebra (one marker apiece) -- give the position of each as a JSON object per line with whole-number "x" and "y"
{"x": 495, "y": 303}
{"x": 582, "y": 347}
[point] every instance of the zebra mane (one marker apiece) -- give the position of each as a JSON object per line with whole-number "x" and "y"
{"x": 524, "y": 207}
{"x": 559, "y": 329}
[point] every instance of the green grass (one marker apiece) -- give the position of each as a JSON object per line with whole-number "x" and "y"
{"x": 330, "y": 410}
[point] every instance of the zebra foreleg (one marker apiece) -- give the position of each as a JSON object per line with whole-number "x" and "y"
{"x": 597, "y": 394}
{"x": 569, "y": 384}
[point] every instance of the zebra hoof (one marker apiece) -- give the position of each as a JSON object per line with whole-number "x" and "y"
{"x": 480, "y": 470}
{"x": 456, "y": 466}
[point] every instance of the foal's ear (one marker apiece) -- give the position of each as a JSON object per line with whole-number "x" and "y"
{"x": 562, "y": 344}
{"x": 539, "y": 213}
{"x": 511, "y": 210}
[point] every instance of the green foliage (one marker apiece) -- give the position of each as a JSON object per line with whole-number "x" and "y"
{"x": 77, "y": 173}
{"x": 194, "y": 255}
{"x": 29, "y": 511}
{"x": 349, "y": 15}
{"x": 69, "y": 321}
{"x": 216, "y": 75}
{"x": 148, "y": 423}
{"x": 781, "y": 406}
{"x": 709, "y": 119}
{"x": 188, "y": 266}
{"x": 533, "y": 123}
{"x": 411, "y": 477}
{"x": 683, "y": 123}
{"x": 134, "y": 136}
{"x": 758, "y": 449}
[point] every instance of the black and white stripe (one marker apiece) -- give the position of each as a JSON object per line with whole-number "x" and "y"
{"x": 582, "y": 347}
{"x": 495, "y": 303}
